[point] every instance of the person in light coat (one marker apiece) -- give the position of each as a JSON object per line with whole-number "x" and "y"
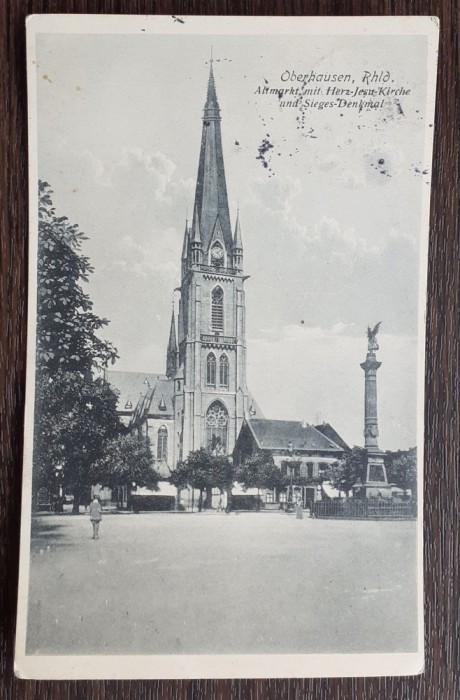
{"x": 95, "y": 515}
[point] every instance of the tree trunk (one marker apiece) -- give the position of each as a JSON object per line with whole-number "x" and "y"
{"x": 229, "y": 500}
{"x": 76, "y": 500}
{"x": 208, "y": 499}
{"x": 200, "y": 502}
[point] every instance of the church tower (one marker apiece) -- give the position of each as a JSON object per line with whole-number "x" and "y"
{"x": 211, "y": 397}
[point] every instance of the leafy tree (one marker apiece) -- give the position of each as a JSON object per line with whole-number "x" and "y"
{"x": 199, "y": 464}
{"x": 75, "y": 414}
{"x": 180, "y": 477}
{"x": 349, "y": 470}
{"x": 127, "y": 459}
{"x": 402, "y": 469}
{"x": 222, "y": 476}
{"x": 66, "y": 325}
{"x": 260, "y": 471}
{"x": 203, "y": 471}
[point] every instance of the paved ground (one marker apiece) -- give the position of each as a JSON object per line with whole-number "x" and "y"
{"x": 217, "y": 583}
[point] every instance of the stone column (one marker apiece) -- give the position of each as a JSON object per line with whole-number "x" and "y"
{"x": 371, "y": 427}
{"x": 376, "y": 485}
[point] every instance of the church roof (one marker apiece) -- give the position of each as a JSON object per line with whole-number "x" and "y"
{"x": 277, "y": 434}
{"x": 145, "y": 391}
{"x": 130, "y": 385}
{"x": 161, "y": 395}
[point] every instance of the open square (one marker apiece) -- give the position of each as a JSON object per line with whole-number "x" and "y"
{"x": 211, "y": 583}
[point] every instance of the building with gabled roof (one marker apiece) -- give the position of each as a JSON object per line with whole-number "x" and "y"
{"x": 302, "y": 451}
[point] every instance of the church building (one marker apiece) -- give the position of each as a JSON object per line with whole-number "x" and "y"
{"x": 202, "y": 399}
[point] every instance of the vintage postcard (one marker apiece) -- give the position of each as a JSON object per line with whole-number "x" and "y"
{"x": 224, "y": 430}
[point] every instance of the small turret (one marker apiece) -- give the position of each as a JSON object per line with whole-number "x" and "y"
{"x": 172, "y": 352}
{"x": 237, "y": 245}
{"x": 185, "y": 249}
{"x": 196, "y": 244}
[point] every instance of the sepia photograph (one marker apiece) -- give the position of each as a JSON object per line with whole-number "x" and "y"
{"x": 223, "y": 453}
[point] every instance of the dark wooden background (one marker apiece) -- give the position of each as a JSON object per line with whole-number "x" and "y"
{"x": 442, "y": 502}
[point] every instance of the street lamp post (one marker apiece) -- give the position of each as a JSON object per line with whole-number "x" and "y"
{"x": 59, "y": 494}
{"x": 290, "y": 450}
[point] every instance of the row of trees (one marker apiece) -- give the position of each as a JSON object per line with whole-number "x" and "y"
{"x": 78, "y": 437}
{"x": 203, "y": 472}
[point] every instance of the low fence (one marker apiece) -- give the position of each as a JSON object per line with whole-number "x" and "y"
{"x": 363, "y": 509}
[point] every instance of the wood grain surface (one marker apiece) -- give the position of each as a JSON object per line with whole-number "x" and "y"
{"x": 442, "y": 502}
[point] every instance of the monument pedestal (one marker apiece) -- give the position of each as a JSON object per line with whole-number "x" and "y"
{"x": 376, "y": 484}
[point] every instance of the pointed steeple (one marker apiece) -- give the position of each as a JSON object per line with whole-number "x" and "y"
{"x": 212, "y": 103}
{"x": 211, "y": 199}
{"x": 237, "y": 245}
{"x": 171, "y": 354}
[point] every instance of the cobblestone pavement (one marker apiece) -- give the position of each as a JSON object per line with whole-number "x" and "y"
{"x": 217, "y": 583}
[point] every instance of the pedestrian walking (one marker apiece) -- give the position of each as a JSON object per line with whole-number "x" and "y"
{"x": 299, "y": 508}
{"x": 95, "y": 515}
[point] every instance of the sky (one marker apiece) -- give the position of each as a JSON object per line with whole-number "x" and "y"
{"x": 331, "y": 214}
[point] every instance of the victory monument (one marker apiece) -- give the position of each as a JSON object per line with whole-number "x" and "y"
{"x": 376, "y": 484}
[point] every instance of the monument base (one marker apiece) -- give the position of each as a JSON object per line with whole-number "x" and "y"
{"x": 376, "y": 484}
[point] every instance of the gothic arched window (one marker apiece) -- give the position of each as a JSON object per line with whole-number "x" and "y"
{"x": 217, "y": 428}
{"x": 211, "y": 370}
{"x": 223, "y": 371}
{"x": 217, "y": 309}
{"x": 162, "y": 443}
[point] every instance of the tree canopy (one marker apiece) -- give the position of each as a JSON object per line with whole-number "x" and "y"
{"x": 127, "y": 459}
{"x": 66, "y": 324}
{"x": 204, "y": 471}
{"x": 75, "y": 416}
{"x": 349, "y": 470}
{"x": 75, "y": 413}
{"x": 260, "y": 471}
{"x": 401, "y": 469}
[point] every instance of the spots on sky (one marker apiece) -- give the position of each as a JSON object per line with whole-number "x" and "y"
{"x": 264, "y": 153}
{"x": 381, "y": 165}
{"x": 419, "y": 170}
{"x": 45, "y": 77}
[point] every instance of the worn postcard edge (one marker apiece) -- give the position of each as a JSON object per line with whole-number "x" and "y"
{"x": 214, "y": 666}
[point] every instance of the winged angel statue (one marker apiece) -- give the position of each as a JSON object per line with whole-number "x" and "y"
{"x": 372, "y": 344}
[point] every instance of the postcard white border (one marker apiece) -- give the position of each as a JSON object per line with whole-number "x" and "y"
{"x": 214, "y": 666}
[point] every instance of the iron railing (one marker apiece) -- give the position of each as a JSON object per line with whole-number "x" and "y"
{"x": 363, "y": 509}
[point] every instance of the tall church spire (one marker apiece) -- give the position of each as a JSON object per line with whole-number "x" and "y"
{"x": 171, "y": 355}
{"x": 211, "y": 201}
